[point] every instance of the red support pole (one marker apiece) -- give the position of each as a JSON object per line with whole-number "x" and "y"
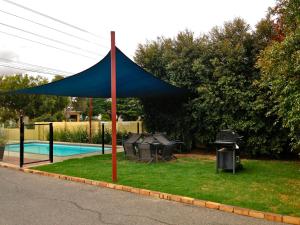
{"x": 113, "y": 107}
{"x": 90, "y": 119}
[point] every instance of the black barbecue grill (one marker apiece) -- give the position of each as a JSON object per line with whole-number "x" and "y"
{"x": 228, "y": 150}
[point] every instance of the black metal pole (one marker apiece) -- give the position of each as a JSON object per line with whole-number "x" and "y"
{"x": 102, "y": 138}
{"x": 233, "y": 161}
{"x": 51, "y": 142}
{"x": 21, "y": 141}
{"x": 217, "y": 160}
{"x": 138, "y": 127}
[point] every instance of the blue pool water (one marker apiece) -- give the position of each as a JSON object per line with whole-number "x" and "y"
{"x": 58, "y": 149}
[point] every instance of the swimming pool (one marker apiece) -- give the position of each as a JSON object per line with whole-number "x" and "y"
{"x": 58, "y": 149}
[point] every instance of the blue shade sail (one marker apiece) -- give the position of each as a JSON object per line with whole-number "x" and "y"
{"x": 132, "y": 81}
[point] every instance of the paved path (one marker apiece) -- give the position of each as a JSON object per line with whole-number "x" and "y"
{"x": 27, "y": 199}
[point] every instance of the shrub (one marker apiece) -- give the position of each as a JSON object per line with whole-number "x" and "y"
{"x": 3, "y": 137}
{"x": 82, "y": 136}
{"x": 79, "y": 135}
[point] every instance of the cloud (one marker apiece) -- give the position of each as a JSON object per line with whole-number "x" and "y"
{"x": 7, "y": 56}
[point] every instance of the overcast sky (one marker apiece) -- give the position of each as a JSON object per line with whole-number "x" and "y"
{"x": 135, "y": 21}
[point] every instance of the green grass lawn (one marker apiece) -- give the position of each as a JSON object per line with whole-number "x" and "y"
{"x": 272, "y": 186}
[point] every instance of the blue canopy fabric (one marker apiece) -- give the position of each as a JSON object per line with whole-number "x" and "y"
{"x": 132, "y": 81}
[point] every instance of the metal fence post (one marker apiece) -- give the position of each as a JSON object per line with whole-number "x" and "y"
{"x": 51, "y": 142}
{"x": 21, "y": 141}
{"x": 102, "y": 138}
{"x": 138, "y": 127}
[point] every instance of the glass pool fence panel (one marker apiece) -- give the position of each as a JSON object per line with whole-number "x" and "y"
{"x": 36, "y": 142}
{"x": 73, "y": 138}
{"x": 10, "y": 132}
{"x": 66, "y": 136}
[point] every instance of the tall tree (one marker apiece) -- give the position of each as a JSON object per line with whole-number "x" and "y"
{"x": 36, "y": 107}
{"x": 279, "y": 64}
{"x": 16, "y": 103}
{"x": 220, "y": 68}
{"x": 127, "y": 108}
{"x": 225, "y": 96}
{"x": 163, "y": 58}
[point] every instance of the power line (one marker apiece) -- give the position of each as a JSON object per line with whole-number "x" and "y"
{"x": 31, "y": 70}
{"x": 52, "y": 28}
{"x": 34, "y": 66}
{"x": 47, "y": 38}
{"x": 52, "y": 18}
{"x": 50, "y": 46}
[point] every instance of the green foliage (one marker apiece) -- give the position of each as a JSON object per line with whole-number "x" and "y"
{"x": 101, "y": 106}
{"x": 279, "y": 83}
{"x": 219, "y": 67}
{"x": 33, "y": 106}
{"x": 3, "y": 137}
{"x": 97, "y": 138}
{"x": 82, "y": 136}
{"x": 229, "y": 89}
{"x": 15, "y": 103}
{"x": 59, "y": 116}
{"x": 169, "y": 60}
{"x": 226, "y": 92}
{"x": 80, "y": 104}
{"x": 105, "y": 117}
{"x": 264, "y": 33}
{"x": 280, "y": 66}
{"x": 76, "y": 136}
{"x": 128, "y": 108}
{"x": 286, "y": 15}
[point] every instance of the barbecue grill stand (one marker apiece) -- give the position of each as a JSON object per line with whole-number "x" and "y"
{"x": 227, "y": 150}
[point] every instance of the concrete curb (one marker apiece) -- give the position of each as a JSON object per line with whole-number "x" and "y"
{"x": 176, "y": 198}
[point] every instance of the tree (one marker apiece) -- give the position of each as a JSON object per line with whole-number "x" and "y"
{"x": 15, "y": 103}
{"x": 220, "y": 70}
{"x": 101, "y": 106}
{"x": 80, "y": 104}
{"x": 164, "y": 59}
{"x": 226, "y": 94}
{"x": 127, "y": 108}
{"x": 264, "y": 33}
{"x": 286, "y": 17}
{"x": 36, "y": 107}
{"x": 279, "y": 64}
{"x": 53, "y": 106}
